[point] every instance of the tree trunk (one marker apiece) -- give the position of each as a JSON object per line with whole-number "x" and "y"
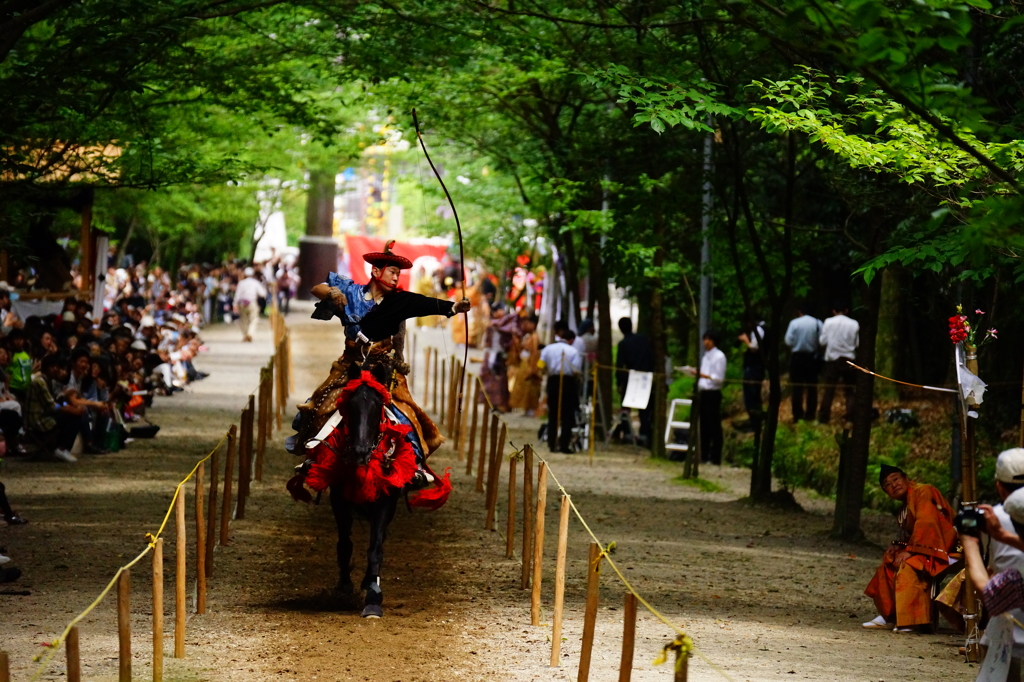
{"x": 888, "y": 338}
{"x": 657, "y": 323}
{"x": 572, "y": 279}
{"x": 320, "y": 204}
{"x": 850, "y": 497}
{"x": 132, "y": 224}
{"x": 599, "y": 282}
{"x": 761, "y": 475}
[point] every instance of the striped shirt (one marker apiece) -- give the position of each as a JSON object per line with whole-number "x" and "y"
{"x": 1004, "y": 592}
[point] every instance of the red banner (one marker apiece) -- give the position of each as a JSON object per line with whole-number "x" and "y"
{"x": 359, "y": 270}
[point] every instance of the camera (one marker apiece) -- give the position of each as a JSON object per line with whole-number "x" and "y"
{"x": 970, "y": 520}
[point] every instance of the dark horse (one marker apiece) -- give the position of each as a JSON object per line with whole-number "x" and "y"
{"x": 363, "y": 417}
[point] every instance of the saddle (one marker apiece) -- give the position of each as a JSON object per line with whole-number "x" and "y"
{"x": 316, "y": 412}
{"x": 322, "y": 432}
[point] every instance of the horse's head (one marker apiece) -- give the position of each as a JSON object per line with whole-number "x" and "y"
{"x": 363, "y": 410}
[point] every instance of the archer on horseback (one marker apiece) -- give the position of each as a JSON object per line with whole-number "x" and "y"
{"x": 361, "y": 433}
{"x": 373, "y": 316}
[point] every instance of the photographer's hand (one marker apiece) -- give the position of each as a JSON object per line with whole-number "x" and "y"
{"x": 901, "y": 558}
{"x": 995, "y": 529}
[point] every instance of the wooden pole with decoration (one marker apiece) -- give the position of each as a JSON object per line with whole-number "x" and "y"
{"x": 970, "y": 394}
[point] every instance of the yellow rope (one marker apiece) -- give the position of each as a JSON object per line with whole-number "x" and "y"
{"x": 605, "y": 553}
{"x": 151, "y": 538}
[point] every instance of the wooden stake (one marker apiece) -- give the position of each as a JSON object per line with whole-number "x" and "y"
{"x": 270, "y": 397}
{"x": 682, "y": 667}
{"x": 484, "y": 450}
{"x": 628, "y": 638}
{"x": 442, "y": 416}
{"x": 291, "y": 367}
{"x": 200, "y": 543}
{"x": 282, "y": 399}
{"x": 225, "y": 510}
{"x": 449, "y": 404}
{"x": 590, "y": 614}
{"x": 158, "y": 610}
{"x": 538, "y": 542}
{"x": 74, "y": 658}
{"x": 180, "y": 552}
{"x": 124, "y": 627}
{"x": 472, "y": 429}
{"x": 463, "y": 422}
{"x": 556, "y": 619}
{"x": 244, "y": 459}
{"x": 510, "y": 524}
{"x": 211, "y": 520}
{"x": 497, "y": 452}
{"x": 5, "y": 667}
{"x": 436, "y": 377}
{"x": 261, "y": 425}
{"x": 527, "y": 516}
{"x": 426, "y": 378}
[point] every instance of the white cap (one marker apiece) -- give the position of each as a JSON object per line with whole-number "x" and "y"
{"x": 147, "y": 321}
{"x": 1010, "y": 466}
{"x": 139, "y": 344}
{"x": 68, "y": 316}
{"x": 249, "y": 272}
{"x": 1014, "y": 505}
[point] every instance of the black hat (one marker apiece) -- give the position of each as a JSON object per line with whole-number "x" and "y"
{"x": 382, "y": 259}
{"x": 887, "y": 471}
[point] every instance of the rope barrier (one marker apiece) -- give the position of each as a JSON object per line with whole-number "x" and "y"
{"x": 682, "y": 642}
{"x": 606, "y": 554}
{"x": 45, "y": 658}
{"x": 53, "y": 647}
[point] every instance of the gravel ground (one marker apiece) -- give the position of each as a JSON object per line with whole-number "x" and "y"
{"x": 764, "y": 593}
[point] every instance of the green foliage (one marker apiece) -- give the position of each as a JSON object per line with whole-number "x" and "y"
{"x": 701, "y": 484}
{"x": 807, "y": 456}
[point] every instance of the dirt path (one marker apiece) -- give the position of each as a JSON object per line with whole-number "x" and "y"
{"x": 764, "y": 594}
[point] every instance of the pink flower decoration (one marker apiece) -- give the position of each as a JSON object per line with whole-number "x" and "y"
{"x": 980, "y": 312}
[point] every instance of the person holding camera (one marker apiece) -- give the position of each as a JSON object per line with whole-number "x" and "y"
{"x": 1006, "y": 551}
{"x": 901, "y": 585}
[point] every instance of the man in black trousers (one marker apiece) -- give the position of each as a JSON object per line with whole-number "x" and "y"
{"x": 561, "y": 363}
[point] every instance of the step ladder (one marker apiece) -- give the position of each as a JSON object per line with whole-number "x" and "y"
{"x": 672, "y": 424}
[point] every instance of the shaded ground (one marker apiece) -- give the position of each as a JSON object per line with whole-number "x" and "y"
{"x": 765, "y": 594}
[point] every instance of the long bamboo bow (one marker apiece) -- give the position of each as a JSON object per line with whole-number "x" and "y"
{"x": 462, "y": 257}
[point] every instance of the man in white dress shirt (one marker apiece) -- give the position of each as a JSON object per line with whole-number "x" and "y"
{"x": 709, "y": 385}
{"x": 561, "y": 363}
{"x": 840, "y": 337}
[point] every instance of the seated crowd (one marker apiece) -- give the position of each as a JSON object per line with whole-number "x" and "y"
{"x": 71, "y": 375}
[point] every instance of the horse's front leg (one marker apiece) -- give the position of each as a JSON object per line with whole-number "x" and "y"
{"x": 383, "y": 514}
{"x": 343, "y": 519}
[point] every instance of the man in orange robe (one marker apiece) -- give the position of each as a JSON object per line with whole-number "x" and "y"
{"x": 900, "y": 588}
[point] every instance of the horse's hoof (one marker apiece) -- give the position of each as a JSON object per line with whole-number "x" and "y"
{"x": 373, "y": 611}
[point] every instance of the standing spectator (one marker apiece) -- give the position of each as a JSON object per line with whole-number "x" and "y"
{"x": 709, "y": 398}
{"x": 802, "y": 338}
{"x": 525, "y": 377}
{"x": 561, "y": 362}
{"x": 246, "y": 305}
{"x": 1004, "y": 555}
{"x": 635, "y": 352}
{"x": 840, "y": 337}
{"x": 753, "y": 372}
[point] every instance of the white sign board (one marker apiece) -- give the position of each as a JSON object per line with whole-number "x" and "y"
{"x": 638, "y": 390}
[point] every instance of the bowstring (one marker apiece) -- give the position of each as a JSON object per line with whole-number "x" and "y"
{"x": 462, "y": 260}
